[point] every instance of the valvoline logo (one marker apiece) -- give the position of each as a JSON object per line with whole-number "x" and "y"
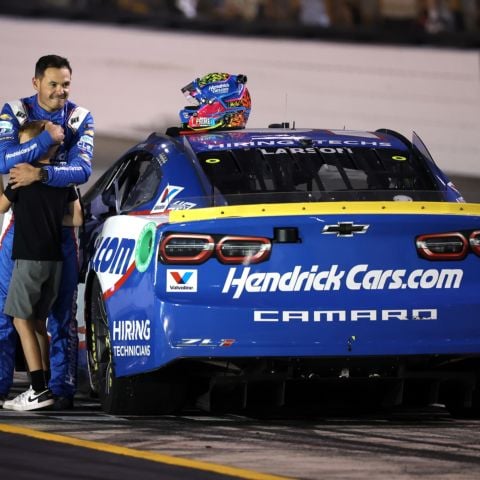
{"x": 113, "y": 255}
{"x": 181, "y": 281}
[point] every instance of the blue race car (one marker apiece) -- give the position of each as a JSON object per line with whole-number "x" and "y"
{"x": 268, "y": 267}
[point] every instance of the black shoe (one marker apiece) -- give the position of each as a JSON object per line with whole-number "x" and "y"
{"x": 62, "y": 403}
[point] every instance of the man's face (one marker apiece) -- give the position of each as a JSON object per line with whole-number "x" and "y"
{"x": 53, "y": 88}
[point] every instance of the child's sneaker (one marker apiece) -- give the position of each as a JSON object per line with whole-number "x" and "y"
{"x": 30, "y": 400}
{"x": 2, "y": 400}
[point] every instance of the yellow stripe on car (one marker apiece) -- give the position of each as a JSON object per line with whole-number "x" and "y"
{"x": 325, "y": 208}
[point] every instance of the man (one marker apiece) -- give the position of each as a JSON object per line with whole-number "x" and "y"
{"x": 40, "y": 212}
{"x": 72, "y": 126}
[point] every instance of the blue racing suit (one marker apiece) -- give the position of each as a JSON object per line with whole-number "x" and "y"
{"x": 71, "y": 165}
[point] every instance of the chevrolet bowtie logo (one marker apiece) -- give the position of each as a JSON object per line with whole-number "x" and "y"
{"x": 345, "y": 229}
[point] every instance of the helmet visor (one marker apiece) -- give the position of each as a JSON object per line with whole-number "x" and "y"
{"x": 191, "y": 92}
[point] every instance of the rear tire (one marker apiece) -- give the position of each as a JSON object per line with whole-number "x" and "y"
{"x": 461, "y": 401}
{"x": 152, "y": 393}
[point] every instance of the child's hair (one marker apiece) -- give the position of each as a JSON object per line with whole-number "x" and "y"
{"x": 30, "y": 129}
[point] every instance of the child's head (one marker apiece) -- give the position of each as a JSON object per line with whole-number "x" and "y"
{"x": 30, "y": 130}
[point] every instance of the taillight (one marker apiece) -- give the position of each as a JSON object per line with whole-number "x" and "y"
{"x": 186, "y": 248}
{"x": 243, "y": 250}
{"x": 192, "y": 248}
{"x": 442, "y": 246}
{"x": 474, "y": 241}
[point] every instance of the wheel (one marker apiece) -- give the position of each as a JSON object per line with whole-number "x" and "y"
{"x": 461, "y": 402}
{"x": 111, "y": 390}
{"x": 153, "y": 393}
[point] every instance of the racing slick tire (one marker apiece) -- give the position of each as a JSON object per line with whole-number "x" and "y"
{"x": 457, "y": 409}
{"x": 133, "y": 395}
{"x": 462, "y": 398}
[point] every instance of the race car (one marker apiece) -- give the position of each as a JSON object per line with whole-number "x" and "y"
{"x": 263, "y": 268}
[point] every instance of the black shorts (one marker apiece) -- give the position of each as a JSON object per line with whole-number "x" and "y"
{"x": 33, "y": 288}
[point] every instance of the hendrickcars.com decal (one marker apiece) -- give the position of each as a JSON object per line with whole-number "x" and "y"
{"x": 359, "y": 277}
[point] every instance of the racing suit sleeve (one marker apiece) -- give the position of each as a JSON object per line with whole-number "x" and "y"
{"x": 78, "y": 166}
{"x": 13, "y": 152}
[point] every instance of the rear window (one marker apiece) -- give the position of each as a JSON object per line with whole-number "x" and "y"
{"x": 318, "y": 174}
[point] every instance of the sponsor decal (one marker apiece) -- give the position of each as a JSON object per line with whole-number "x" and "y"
{"x": 6, "y": 127}
{"x": 117, "y": 250}
{"x": 203, "y": 121}
{"x": 166, "y": 197}
{"x": 22, "y": 151}
{"x": 219, "y": 89}
{"x": 293, "y": 142}
{"x": 181, "y": 281}
{"x": 5, "y": 116}
{"x": 359, "y": 277}
{"x": 131, "y": 350}
{"x": 162, "y": 158}
{"x": 306, "y": 316}
{"x": 131, "y": 331}
{"x": 112, "y": 255}
{"x": 86, "y": 143}
{"x": 205, "y": 342}
{"x": 86, "y": 139}
{"x": 181, "y": 205}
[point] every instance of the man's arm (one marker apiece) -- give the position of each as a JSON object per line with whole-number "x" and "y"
{"x": 11, "y": 151}
{"x": 78, "y": 167}
{"x": 74, "y": 217}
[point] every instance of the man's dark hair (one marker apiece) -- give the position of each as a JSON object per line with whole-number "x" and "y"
{"x": 50, "y": 61}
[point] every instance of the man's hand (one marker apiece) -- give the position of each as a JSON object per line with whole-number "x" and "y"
{"x": 23, "y": 174}
{"x": 56, "y": 132}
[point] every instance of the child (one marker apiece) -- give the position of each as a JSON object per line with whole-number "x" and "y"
{"x": 39, "y": 212}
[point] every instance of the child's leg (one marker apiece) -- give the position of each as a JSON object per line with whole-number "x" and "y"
{"x": 28, "y": 338}
{"x": 44, "y": 344}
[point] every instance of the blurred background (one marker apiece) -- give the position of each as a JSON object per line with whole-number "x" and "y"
{"x": 407, "y": 65}
{"x": 441, "y": 22}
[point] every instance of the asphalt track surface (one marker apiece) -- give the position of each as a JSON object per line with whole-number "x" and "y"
{"x": 86, "y": 443}
{"x": 52, "y": 445}
{"x": 28, "y": 455}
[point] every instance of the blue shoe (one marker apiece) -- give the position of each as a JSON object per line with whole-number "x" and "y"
{"x": 62, "y": 403}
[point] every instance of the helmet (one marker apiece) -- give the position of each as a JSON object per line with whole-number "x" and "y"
{"x": 221, "y": 101}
